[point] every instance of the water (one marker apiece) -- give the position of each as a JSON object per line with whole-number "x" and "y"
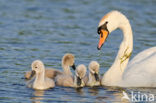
{"x": 47, "y": 29}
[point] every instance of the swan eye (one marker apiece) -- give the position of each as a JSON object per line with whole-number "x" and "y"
{"x": 104, "y": 27}
{"x": 35, "y": 67}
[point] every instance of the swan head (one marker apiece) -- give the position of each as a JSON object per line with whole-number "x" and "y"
{"x": 109, "y": 23}
{"x": 80, "y": 74}
{"x": 68, "y": 60}
{"x": 94, "y": 69}
{"x": 37, "y": 67}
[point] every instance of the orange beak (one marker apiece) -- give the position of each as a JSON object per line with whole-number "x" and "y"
{"x": 103, "y": 36}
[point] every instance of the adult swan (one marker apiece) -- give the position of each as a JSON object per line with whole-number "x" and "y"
{"x": 141, "y": 70}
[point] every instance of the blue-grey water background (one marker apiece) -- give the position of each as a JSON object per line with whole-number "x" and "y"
{"x": 47, "y": 29}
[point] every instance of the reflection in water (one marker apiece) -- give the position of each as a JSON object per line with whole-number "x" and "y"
{"x": 79, "y": 91}
{"x": 66, "y": 89}
{"x": 118, "y": 96}
{"x": 93, "y": 91}
{"x": 107, "y": 94}
{"x": 38, "y": 96}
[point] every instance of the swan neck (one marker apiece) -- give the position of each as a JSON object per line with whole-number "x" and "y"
{"x": 126, "y": 46}
{"x": 66, "y": 70}
{"x": 114, "y": 75}
{"x": 91, "y": 77}
{"x": 40, "y": 78}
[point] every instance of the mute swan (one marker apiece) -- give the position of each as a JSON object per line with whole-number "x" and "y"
{"x": 70, "y": 81}
{"x": 141, "y": 70}
{"x": 93, "y": 79}
{"x": 41, "y": 82}
{"x": 66, "y": 78}
{"x": 67, "y": 61}
{"x": 79, "y": 76}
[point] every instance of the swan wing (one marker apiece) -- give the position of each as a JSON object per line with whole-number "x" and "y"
{"x": 141, "y": 71}
{"x": 142, "y": 56}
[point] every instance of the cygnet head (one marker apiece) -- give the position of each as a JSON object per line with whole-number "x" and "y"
{"x": 80, "y": 73}
{"x": 37, "y": 67}
{"x": 68, "y": 60}
{"x": 94, "y": 69}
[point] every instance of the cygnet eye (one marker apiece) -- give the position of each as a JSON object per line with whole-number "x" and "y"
{"x": 35, "y": 67}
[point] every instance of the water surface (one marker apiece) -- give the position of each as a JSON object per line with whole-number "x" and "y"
{"x": 47, "y": 29}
